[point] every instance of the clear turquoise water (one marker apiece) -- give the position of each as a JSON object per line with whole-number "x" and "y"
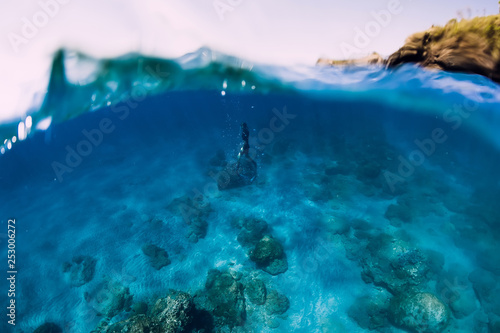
{"x": 335, "y": 148}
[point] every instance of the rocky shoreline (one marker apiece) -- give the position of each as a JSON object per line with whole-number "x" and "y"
{"x": 468, "y": 46}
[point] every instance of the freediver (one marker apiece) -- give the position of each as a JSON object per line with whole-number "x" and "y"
{"x": 244, "y": 150}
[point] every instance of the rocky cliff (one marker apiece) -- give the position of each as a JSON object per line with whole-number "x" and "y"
{"x": 470, "y": 46}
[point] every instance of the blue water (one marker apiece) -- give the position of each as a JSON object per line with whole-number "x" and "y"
{"x": 330, "y": 144}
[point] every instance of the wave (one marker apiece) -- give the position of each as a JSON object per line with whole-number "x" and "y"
{"x": 80, "y": 84}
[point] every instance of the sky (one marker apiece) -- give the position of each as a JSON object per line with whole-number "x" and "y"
{"x": 284, "y": 32}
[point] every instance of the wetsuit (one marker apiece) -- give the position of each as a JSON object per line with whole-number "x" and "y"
{"x": 246, "y": 146}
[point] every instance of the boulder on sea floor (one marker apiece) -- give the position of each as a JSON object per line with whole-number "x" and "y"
{"x": 394, "y": 264}
{"x": 251, "y": 230}
{"x": 234, "y": 175}
{"x": 256, "y": 291}
{"x": 455, "y": 289}
{"x": 336, "y": 224}
{"x": 48, "y": 328}
{"x": 419, "y": 312}
{"x": 483, "y": 282}
{"x": 370, "y": 311}
{"x": 225, "y": 298}
{"x": 80, "y": 270}
{"x": 174, "y": 313}
{"x": 139, "y": 308}
{"x": 158, "y": 257}
{"x": 276, "y": 303}
{"x": 338, "y": 169}
{"x": 110, "y": 298}
{"x": 399, "y": 212}
{"x": 494, "y": 323}
{"x": 269, "y": 255}
{"x": 194, "y": 211}
{"x": 187, "y": 207}
{"x": 488, "y": 259}
{"x": 219, "y": 159}
{"x": 197, "y": 229}
{"x": 136, "y": 324}
{"x": 368, "y": 171}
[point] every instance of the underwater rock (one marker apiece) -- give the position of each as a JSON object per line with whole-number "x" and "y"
{"x": 368, "y": 171}
{"x": 233, "y": 177}
{"x": 492, "y": 302}
{"x": 393, "y": 264}
{"x": 256, "y": 291}
{"x": 364, "y": 228}
{"x": 252, "y": 230}
{"x": 488, "y": 259}
{"x": 48, "y": 328}
{"x": 226, "y": 298}
{"x": 80, "y": 270}
{"x": 455, "y": 201}
{"x": 337, "y": 225}
{"x": 494, "y": 323}
{"x": 340, "y": 169}
{"x": 481, "y": 321}
{"x": 219, "y": 159}
{"x": 464, "y": 305}
{"x": 276, "y": 303}
{"x": 410, "y": 265}
{"x": 110, "y": 298}
{"x": 269, "y": 255}
{"x": 435, "y": 260}
{"x": 419, "y": 312}
{"x": 483, "y": 206}
{"x": 194, "y": 212}
{"x": 173, "y": 313}
{"x": 197, "y": 229}
{"x": 483, "y": 282}
{"x": 420, "y": 200}
{"x": 136, "y": 324}
{"x": 468, "y": 232}
{"x": 370, "y": 311}
{"x": 188, "y": 207}
{"x": 272, "y": 322}
{"x": 456, "y": 291}
{"x": 399, "y": 212}
{"x": 140, "y": 308}
{"x": 158, "y": 257}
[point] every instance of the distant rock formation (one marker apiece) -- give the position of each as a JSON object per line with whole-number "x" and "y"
{"x": 158, "y": 257}
{"x": 469, "y": 46}
{"x": 372, "y": 59}
{"x": 80, "y": 270}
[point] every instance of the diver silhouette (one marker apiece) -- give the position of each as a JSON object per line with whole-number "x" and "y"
{"x": 245, "y": 134}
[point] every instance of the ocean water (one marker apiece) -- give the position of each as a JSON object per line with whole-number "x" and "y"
{"x": 346, "y": 159}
